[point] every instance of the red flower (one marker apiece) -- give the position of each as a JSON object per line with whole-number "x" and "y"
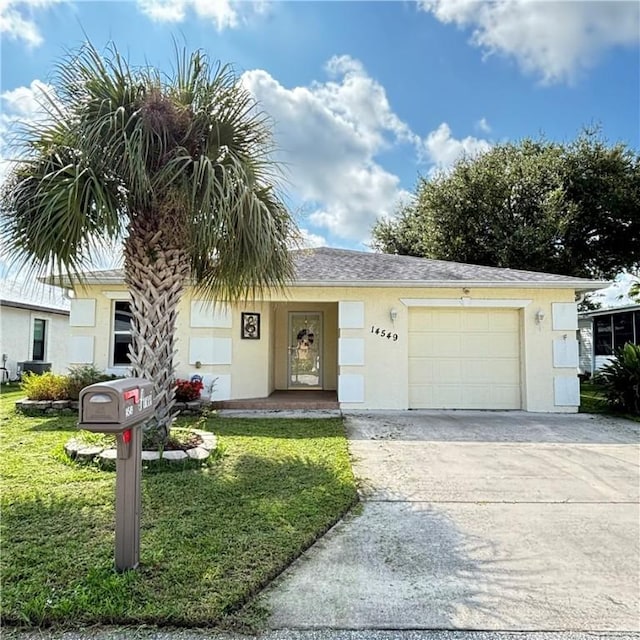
{"x": 187, "y": 390}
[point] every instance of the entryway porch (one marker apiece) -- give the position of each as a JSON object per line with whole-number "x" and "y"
{"x": 285, "y": 400}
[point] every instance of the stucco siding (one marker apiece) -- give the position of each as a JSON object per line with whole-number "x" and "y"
{"x": 257, "y": 367}
{"x": 16, "y": 337}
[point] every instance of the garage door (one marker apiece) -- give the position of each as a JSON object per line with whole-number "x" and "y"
{"x": 464, "y": 359}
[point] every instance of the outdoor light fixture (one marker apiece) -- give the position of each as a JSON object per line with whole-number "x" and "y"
{"x": 393, "y": 314}
{"x": 539, "y": 316}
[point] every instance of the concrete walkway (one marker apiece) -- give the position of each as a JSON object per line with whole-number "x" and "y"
{"x": 494, "y": 521}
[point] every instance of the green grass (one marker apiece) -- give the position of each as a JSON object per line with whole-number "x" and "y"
{"x": 211, "y": 537}
{"x": 592, "y": 401}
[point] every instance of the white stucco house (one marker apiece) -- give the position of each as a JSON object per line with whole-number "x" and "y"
{"x": 601, "y": 332}
{"x": 382, "y": 331}
{"x": 32, "y": 333}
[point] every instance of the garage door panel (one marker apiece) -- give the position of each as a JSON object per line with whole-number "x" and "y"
{"x": 505, "y": 396}
{"x": 476, "y": 345}
{"x": 504, "y": 320}
{"x": 422, "y": 343}
{"x": 467, "y": 359}
{"x": 475, "y": 369}
{"x": 447, "y": 321}
{"x": 495, "y": 371}
{"x": 475, "y": 395}
{"x": 421, "y": 371}
{"x": 448, "y": 371}
{"x": 447, "y": 345}
{"x": 478, "y": 321}
{"x": 447, "y": 396}
{"x": 419, "y": 394}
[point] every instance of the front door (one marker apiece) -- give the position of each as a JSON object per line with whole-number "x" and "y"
{"x": 305, "y": 350}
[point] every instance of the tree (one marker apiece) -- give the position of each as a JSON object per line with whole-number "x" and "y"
{"x": 177, "y": 167}
{"x": 570, "y": 209}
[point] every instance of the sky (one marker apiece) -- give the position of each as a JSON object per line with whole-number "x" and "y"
{"x": 364, "y": 97}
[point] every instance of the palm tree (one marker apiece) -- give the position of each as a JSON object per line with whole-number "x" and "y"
{"x": 178, "y": 168}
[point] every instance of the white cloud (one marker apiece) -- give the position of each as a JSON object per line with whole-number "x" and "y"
{"x": 555, "y": 40}
{"x": 225, "y": 14}
{"x": 309, "y": 240}
{"x": 483, "y": 125}
{"x": 616, "y": 294}
{"x": 26, "y": 102}
{"x": 16, "y": 20}
{"x": 19, "y": 106}
{"x": 329, "y": 134}
{"x": 443, "y": 150}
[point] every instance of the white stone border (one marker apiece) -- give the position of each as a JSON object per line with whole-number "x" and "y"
{"x": 79, "y": 451}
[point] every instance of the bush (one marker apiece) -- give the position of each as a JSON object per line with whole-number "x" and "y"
{"x": 620, "y": 380}
{"x": 81, "y": 377}
{"x": 187, "y": 390}
{"x": 45, "y": 386}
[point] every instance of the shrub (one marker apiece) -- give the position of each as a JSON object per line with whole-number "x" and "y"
{"x": 45, "y": 386}
{"x": 81, "y": 377}
{"x": 620, "y": 380}
{"x": 187, "y": 390}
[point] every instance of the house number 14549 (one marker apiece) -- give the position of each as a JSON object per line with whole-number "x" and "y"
{"x": 383, "y": 333}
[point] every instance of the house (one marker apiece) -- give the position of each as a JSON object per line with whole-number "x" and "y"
{"x": 35, "y": 334}
{"x": 382, "y": 331}
{"x": 601, "y": 332}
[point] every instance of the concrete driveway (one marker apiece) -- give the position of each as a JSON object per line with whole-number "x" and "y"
{"x": 478, "y": 520}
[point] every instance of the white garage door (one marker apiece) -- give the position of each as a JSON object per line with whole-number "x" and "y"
{"x": 464, "y": 359}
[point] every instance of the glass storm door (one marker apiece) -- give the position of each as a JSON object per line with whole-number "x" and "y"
{"x": 305, "y": 350}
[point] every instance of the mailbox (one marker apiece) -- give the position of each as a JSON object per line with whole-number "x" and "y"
{"x": 115, "y": 406}
{"x": 120, "y": 407}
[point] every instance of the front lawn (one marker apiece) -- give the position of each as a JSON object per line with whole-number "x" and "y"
{"x": 211, "y": 537}
{"x": 592, "y": 401}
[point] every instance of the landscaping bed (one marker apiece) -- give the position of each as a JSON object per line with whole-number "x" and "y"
{"x": 592, "y": 400}
{"x": 211, "y": 537}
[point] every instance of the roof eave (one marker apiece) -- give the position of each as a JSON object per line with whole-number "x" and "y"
{"x": 576, "y": 285}
{"x": 65, "y": 283}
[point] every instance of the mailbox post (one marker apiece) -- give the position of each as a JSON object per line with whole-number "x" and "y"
{"x": 121, "y": 407}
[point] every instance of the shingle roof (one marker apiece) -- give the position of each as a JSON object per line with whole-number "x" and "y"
{"x": 342, "y": 267}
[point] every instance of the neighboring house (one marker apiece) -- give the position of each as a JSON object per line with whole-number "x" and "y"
{"x": 601, "y": 332}
{"x": 383, "y": 331}
{"x": 33, "y": 333}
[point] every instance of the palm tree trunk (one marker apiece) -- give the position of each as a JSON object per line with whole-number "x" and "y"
{"x": 156, "y": 278}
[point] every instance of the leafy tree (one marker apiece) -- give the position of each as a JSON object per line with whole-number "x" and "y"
{"x": 177, "y": 167}
{"x": 571, "y": 209}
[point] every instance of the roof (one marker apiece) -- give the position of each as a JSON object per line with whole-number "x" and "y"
{"x": 341, "y": 266}
{"x": 27, "y": 294}
{"x": 328, "y": 267}
{"x": 610, "y": 311}
{"x": 33, "y": 307}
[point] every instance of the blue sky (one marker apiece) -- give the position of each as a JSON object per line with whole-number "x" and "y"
{"x": 365, "y": 96}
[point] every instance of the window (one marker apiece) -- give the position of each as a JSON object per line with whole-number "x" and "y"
{"x": 613, "y": 331}
{"x": 603, "y": 338}
{"x": 121, "y": 333}
{"x": 622, "y": 329}
{"x": 39, "y": 334}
